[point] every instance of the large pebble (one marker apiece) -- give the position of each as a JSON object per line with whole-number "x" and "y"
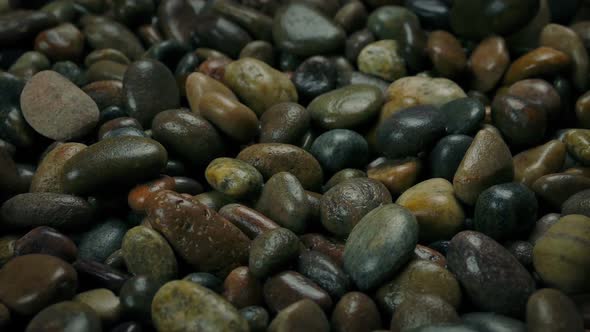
{"x": 234, "y": 177}
{"x": 379, "y": 245}
{"x": 288, "y": 287}
{"x": 340, "y": 148}
{"x": 423, "y": 310}
{"x": 488, "y": 62}
{"x": 47, "y": 175}
{"x": 63, "y": 42}
{"x": 424, "y": 91}
{"x": 284, "y": 123}
{"x": 30, "y": 283}
{"x": 234, "y": 119}
{"x": 66, "y": 316}
{"x": 556, "y": 188}
{"x": 198, "y": 85}
{"x": 147, "y": 253}
{"x": 534, "y": 163}
{"x": 184, "y": 306}
{"x": 102, "y": 240}
{"x": 355, "y": 312}
{"x": 272, "y": 251}
{"x": 56, "y": 108}
{"x": 551, "y": 310}
{"x": 487, "y": 162}
{"x": 446, "y": 53}
{"x": 520, "y": 122}
{"x": 325, "y": 272}
{"x": 492, "y": 278}
{"x": 304, "y": 315}
{"x": 447, "y": 154}
{"x": 113, "y": 161}
{"x": 538, "y": 62}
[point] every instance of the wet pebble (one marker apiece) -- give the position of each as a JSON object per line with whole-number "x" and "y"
{"x": 272, "y": 251}
{"x": 48, "y": 241}
{"x": 289, "y": 287}
{"x": 64, "y": 316}
{"x": 304, "y": 315}
{"x": 103, "y": 301}
{"x": 242, "y": 289}
{"x": 234, "y": 177}
{"x": 340, "y": 148}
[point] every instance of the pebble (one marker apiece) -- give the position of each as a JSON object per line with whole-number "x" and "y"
{"x": 272, "y": 251}
{"x": 487, "y": 162}
{"x": 340, "y": 148}
{"x": 542, "y": 225}
{"x": 29, "y": 64}
{"x": 288, "y": 287}
{"x": 284, "y": 123}
{"x": 541, "y": 94}
{"x": 556, "y": 188}
{"x": 251, "y": 222}
{"x": 66, "y": 316}
{"x": 447, "y": 154}
{"x": 233, "y": 177}
{"x": 423, "y": 310}
{"x": 111, "y": 34}
{"x": 396, "y": 174}
{"x": 110, "y": 54}
{"x": 438, "y": 212}
{"x": 325, "y": 272}
{"x": 539, "y": 161}
{"x": 260, "y": 50}
{"x": 520, "y": 122}
{"x": 242, "y": 288}
{"x": 206, "y": 280}
{"x": 105, "y": 93}
{"x": 147, "y": 253}
{"x": 368, "y": 259}
{"x": 558, "y": 255}
{"x": 60, "y": 211}
{"x": 203, "y": 238}
{"x": 351, "y": 16}
{"x": 149, "y": 88}
{"x": 423, "y": 91}
{"x": 46, "y": 240}
{"x": 492, "y": 322}
{"x": 139, "y": 194}
{"x": 583, "y": 110}
{"x": 20, "y": 25}
{"x": 257, "y": 318}
{"x": 63, "y": 42}
{"x": 46, "y": 178}
{"x": 492, "y": 278}
{"x": 106, "y": 70}
{"x": 382, "y": 59}
{"x": 315, "y": 76}
{"x": 232, "y": 118}
{"x": 446, "y": 53}
{"x": 343, "y": 175}
{"x": 30, "y": 283}
{"x": 136, "y": 296}
{"x": 355, "y": 312}
{"x": 577, "y": 204}
{"x": 185, "y": 306}
{"x": 104, "y": 303}
{"x": 578, "y": 145}
{"x": 488, "y": 62}
{"x": 121, "y": 160}
{"x": 304, "y": 315}
{"x": 538, "y": 62}
{"x": 199, "y": 84}
{"x": 259, "y": 85}
{"x": 56, "y": 108}
{"x": 100, "y": 275}
{"x": 551, "y": 310}
{"x": 463, "y": 116}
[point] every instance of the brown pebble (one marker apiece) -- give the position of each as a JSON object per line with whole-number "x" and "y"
{"x": 242, "y": 289}
{"x": 288, "y": 287}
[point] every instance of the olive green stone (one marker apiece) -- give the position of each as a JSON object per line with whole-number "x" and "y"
{"x": 423, "y": 310}
{"x": 233, "y": 177}
{"x": 343, "y": 175}
{"x": 551, "y": 310}
{"x": 183, "y": 306}
{"x": 66, "y": 316}
{"x": 29, "y": 64}
{"x": 272, "y": 251}
{"x": 578, "y": 144}
{"x": 106, "y": 304}
{"x": 304, "y": 31}
{"x": 347, "y": 107}
{"x": 146, "y": 252}
{"x": 259, "y": 85}
{"x": 47, "y": 175}
{"x": 113, "y": 161}
{"x": 382, "y": 59}
{"x": 111, "y": 34}
{"x": 388, "y": 22}
{"x": 560, "y": 256}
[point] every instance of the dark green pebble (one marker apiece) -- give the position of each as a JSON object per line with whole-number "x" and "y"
{"x": 356, "y": 42}
{"x": 106, "y": 33}
{"x": 464, "y": 116}
{"x": 206, "y": 280}
{"x": 71, "y": 71}
{"x": 343, "y": 175}
{"x": 257, "y": 318}
{"x": 322, "y": 270}
{"x": 410, "y": 131}
{"x": 221, "y": 34}
{"x": 168, "y": 52}
{"x": 258, "y": 24}
{"x": 523, "y": 251}
{"x": 577, "y": 204}
{"x": 102, "y": 240}
{"x": 314, "y": 76}
{"x": 133, "y": 12}
{"x": 136, "y": 296}
{"x": 506, "y": 211}
{"x": 13, "y": 127}
{"x": 66, "y": 316}
{"x": 186, "y": 65}
{"x": 272, "y": 251}
{"x": 340, "y": 148}
{"x": 433, "y": 14}
{"x": 447, "y": 154}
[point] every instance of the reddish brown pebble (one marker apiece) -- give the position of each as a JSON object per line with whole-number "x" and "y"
{"x": 242, "y": 289}
{"x": 289, "y": 287}
{"x": 46, "y": 240}
{"x": 355, "y": 312}
{"x": 249, "y": 221}
{"x": 138, "y": 195}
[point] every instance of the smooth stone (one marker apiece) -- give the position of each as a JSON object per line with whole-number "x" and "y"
{"x": 396, "y": 174}
{"x": 347, "y": 107}
{"x": 325, "y": 272}
{"x": 260, "y": 50}
{"x": 102, "y": 240}
{"x": 259, "y": 85}
{"x": 56, "y": 108}
{"x": 556, "y": 188}
{"x": 410, "y": 131}
{"x": 203, "y": 238}
{"x": 520, "y": 122}
{"x": 382, "y": 59}
{"x": 46, "y": 240}
{"x": 438, "y": 212}
{"x": 147, "y": 253}
{"x": 71, "y": 71}
{"x": 272, "y": 251}
{"x": 433, "y": 14}
{"x": 340, "y": 148}
{"x": 110, "y": 54}
{"x": 539, "y": 161}
{"x": 368, "y": 258}
{"x": 542, "y": 225}
{"x": 577, "y": 204}
{"x": 315, "y": 76}
{"x": 234, "y": 177}
{"x": 242, "y": 289}
{"x": 559, "y": 256}
{"x": 355, "y": 312}
{"x": 578, "y": 145}
{"x": 61, "y": 211}
{"x": 29, "y": 64}
{"x": 103, "y": 301}
{"x": 490, "y": 322}
{"x": 463, "y": 116}
{"x": 329, "y": 247}
{"x": 14, "y": 129}
{"x": 199, "y": 84}
{"x": 139, "y": 194}
{"x": 284, "y": 123}
{"x": 487, "y": 162}
{"x": 304, "y": 315}
{"x": 213, "y": 200}
{"x": 249, "y": 221}
{"x": 185, "y": 306}
{"x": 541, "y": 94}
{"x": 232, "y": 118}
{"x": 481, "y": 18}
{"x": 505, "y": 211}
{"x": 188, "y": 135}
{"x": 99, "y": 275}
{"x": 22, "y": 25}
{"x": 566, "y": 40}
{"x": 583, "y": 110}
{"x": 106, "y": 70}
{"x": 178, "y": 19}
{"x": 118, "y": 123}
{"x": 111, "y": 34}
{"x": 419, "y": 277}
{"x": 447, "y": 154}
{"x": 523, "y": 251}
{"x": 446, "y": 53}
{"x": 551, "y": 310}
{"x": 344, "y": 205}
{"x": 30, "y": 283}
{"x": 168, "y": 52}
{"x": 121, "y": 160}
{"x": 272, "y": 158}
{"x": 488, "y": 62}
{"x": 423, "y": 310}
{"x": 538, "y": 62}
{"x": 133, "y": 12}
{"x": 304, "y": 31}
{"x": 429, "y": 254}
{"x": 492, "y": 278}
{"x": 343, "y": 175}
{"x": 356, "y": 42}
{"x": 66, "y": 316}
{"x": 149, "y": 87}
{"x": 257, "y": 318}
{"x": 63, "y": 42}
{"x": 214, "y": 67}
{"x": 136, "y": 296}
{"x": 220, "y": 33}
{"x": 206, "y": 280}
{"x": 425, "y": 91}
{"x": 107, "y": 93}
{"x": 47, "y": 175}
{"x": 288, "y": 287}
{"x": 283, "y": 200}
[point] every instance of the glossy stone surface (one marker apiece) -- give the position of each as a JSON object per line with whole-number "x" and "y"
{"x": 66, "y": 316}
{"x": 272, "y": 251}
